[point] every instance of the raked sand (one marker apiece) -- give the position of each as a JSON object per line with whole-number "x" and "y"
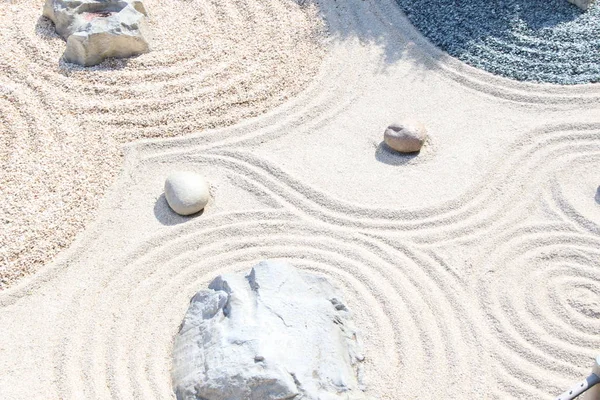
{"x": 471, "y": 268}
{"x": 212, "y": 64}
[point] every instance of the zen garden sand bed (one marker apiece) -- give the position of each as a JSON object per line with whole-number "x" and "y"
{"x": 474, "y": 261}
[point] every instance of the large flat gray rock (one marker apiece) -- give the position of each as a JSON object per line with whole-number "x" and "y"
{"x": 277, "y": 333}
{"x": 98, "y": 29}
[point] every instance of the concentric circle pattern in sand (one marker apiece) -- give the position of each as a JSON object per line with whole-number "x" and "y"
{"x": 482, "y": 286}
{"x": 539, "y": 338}
{"x": 62, "y": 125}
{"x": 404, "y": 320}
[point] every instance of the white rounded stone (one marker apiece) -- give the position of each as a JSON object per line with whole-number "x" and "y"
{"x": 405, "y": 136}
{"x": 186, "y": 192}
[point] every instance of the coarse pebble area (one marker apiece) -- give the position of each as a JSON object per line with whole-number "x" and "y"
{"x": 543, "y": 41}
{"x": 62, "y": 126}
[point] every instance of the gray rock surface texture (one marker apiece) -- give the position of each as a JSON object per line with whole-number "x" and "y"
{"x": 186, "y": 192}
{"x": 405, "y": 136}
{"x": 543, "y": 41}
{"x": 277, "y": 333}
{"x": 98, "y": 29}
{"x": 583, "y": 4}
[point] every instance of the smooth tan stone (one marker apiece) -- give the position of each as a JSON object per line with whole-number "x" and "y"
{"x": 405, "y": 136}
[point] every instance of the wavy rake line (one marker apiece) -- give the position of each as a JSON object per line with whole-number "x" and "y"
{"x": 324, "y": 107}
{"x": 292, "y": 116}
{"x": 308, "y": 242}
{"x": 306, "y": 250}
{"x": 525, "y": 162}
{"x": 27, "y": 46}
{"x": 321, "y": 102}
{"x": 473, "y": 212}
{"x": 538, "y": 338}
{"x": 73, "y": 335}
{"x": 150, "y": 112}
{"x": 557, "y": 201}
{"x": 526, "y": 147}
{"x": 320, "y": 205}
{"x": 101, "y": 95}
{"x": 538, "y": 162}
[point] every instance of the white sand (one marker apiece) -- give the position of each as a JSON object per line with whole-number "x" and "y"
{"x": 472, "y": 268}
{"x": 61, "y": 126}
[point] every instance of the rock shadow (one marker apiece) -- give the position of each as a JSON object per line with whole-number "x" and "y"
{"x": 385, "y": 154}
{"x": 109, "y": 64}
{"x": 44, "y": 28}
{"x": 597, "y": 197}
{"x": 166, "y": 216}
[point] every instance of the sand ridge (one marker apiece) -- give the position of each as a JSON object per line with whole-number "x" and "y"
{"x": 487, "y": 283}
{"x": 62, "y": 125}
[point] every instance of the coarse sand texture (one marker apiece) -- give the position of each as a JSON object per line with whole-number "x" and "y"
{"x": 474, "y": 261}
{"x": 62, "y": 126}
{"x": 529, "y": 40}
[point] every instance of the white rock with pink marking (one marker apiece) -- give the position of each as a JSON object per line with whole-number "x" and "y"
{"x": 95, "y": 30}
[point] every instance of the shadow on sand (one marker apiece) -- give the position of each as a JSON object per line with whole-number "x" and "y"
{"x": 350, "y": 20}
{"x": 168, "y": 217}
{"x": 44, "y": 28}
{"x": 387, "y": 155}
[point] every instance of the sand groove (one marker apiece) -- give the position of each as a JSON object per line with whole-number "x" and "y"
{"x": 489, "y": 293}
{"x": 546, "y": 335}
{"x": 204, "y": 71}
{"x": 525, "y": 161}
{"x": 335, "y": 253}
{"x": 388, "y": 26}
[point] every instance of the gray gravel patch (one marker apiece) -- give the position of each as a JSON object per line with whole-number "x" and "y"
{"x": 549, "y": 41}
